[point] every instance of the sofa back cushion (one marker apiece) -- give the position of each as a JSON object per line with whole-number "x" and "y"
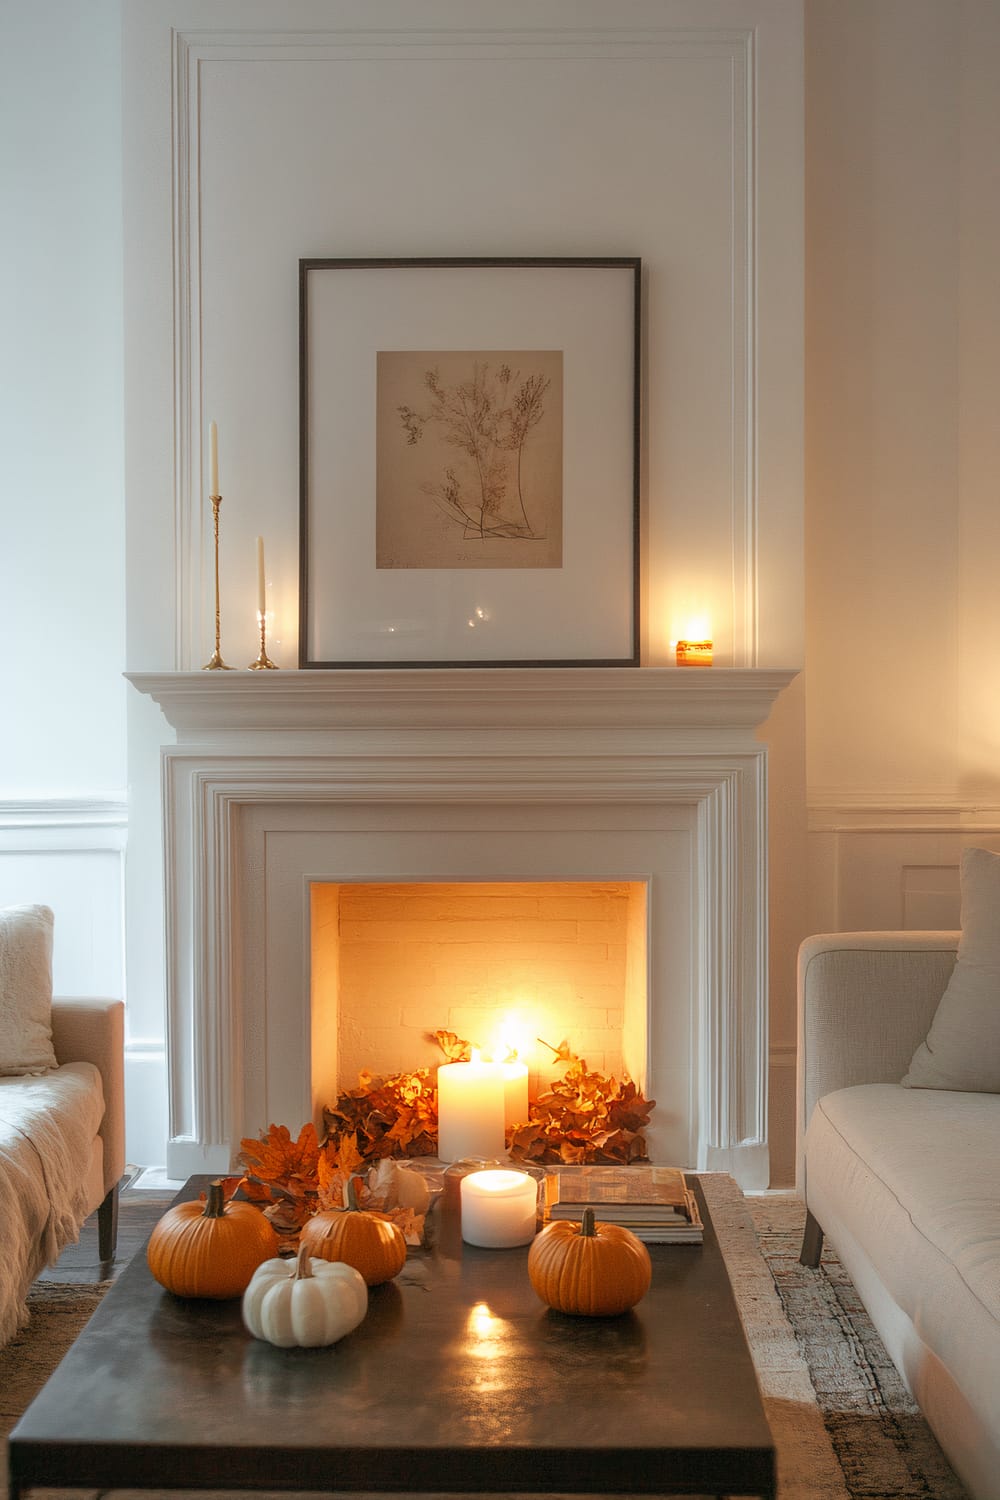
{"x": 962, "y": 1048}
{"x": 26, "y": 990}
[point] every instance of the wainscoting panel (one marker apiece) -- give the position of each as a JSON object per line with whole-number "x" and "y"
{"x": 892, "y": 866}
{"x": 69, "y": 854}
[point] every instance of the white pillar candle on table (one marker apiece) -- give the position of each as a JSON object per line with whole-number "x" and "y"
{"x": 213, "y": 459}
{"x": 515, "y": 1089}
{"x": 470, "y": 1109}
{"x": 261, "y": 602}
{"x": 498, "y": 1209}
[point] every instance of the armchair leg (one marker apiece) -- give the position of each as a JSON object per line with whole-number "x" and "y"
{"x": 812, "y": 1242}
{"x": 107, "y": 1225}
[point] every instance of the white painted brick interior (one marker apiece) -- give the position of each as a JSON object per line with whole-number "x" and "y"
{"x": 395, "y": 963}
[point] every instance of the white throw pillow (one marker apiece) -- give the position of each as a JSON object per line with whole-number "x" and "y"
{"x": 26, "y": 990}
{"x": 962, "y": 1050}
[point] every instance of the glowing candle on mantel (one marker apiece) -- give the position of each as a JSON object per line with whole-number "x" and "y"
{"x": 515, "y": 1092}
{"x": 470, "y": 1109}
{"x": 498, "y": 1209}
{"x": 694, "y": 653}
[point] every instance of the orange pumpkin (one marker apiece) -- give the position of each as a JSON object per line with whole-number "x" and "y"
{"x": 211, "y": 1248}
{"x": 593, "y": 1270}
{"x": 370, "y": 1244}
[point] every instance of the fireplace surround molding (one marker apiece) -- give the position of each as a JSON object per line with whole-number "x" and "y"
{"x": 274, "y": 779}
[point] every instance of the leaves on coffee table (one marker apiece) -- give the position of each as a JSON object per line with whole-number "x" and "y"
{"x": 286, "y": 1170}
{"x": 277, "y": 1159}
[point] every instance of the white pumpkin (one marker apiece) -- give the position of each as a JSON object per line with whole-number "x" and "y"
{"x": 304, "y": 1304}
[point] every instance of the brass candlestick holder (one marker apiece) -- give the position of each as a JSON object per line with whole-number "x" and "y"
{"x": 263, "y": 660}
{"x": 216, "y": 664}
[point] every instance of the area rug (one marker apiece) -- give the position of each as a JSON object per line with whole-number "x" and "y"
{"x": 884, "y": 1448}
{"x": 845, "y": 1427}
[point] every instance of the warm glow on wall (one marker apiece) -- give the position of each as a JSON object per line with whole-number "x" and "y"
{"x": 512, "y": 1037}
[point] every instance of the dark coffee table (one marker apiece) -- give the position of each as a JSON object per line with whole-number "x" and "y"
{"x": 458, "y": 1380}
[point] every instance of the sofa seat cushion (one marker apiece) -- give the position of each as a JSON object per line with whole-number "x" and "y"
{"x": 48, "y": 1126}
{"x": 915, "y": 1178}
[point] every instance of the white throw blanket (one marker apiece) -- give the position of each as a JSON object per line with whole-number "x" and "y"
{"x": 47, "y": 1130}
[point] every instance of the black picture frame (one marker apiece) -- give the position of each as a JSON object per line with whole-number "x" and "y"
{"x": 469, "y": 462}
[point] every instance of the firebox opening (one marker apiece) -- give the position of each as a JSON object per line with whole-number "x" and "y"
{"x": 503, "y": 965}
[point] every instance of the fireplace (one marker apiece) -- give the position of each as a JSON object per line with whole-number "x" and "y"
{"x": 510, "y": 967}
{"x": 285, "y": 794}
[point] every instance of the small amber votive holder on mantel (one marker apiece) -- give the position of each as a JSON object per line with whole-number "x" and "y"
{"x": 694, "y": 653}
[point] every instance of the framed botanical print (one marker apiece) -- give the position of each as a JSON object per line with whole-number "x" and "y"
{"x": 469, "y": 451}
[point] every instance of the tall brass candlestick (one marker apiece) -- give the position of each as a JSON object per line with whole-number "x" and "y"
{"x": 216, "y": 663}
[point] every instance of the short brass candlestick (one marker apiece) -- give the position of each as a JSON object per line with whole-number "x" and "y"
{"x": 216, "y": 663}
{"x": 263, "y": 660}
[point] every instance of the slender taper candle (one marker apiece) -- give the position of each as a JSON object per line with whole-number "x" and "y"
{"x": 261, "y": 601}
{"x": 213, "y": 459}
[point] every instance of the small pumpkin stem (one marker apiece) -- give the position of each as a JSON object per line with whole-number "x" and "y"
{"x": 215, "y": 1205}
{"x": 352, "y": 1194}
{"x": 302, "y": 1267}
{"x": 588, "y": 1229}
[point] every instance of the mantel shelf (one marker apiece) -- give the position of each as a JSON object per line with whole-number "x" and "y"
{"x": 204, "y": 703}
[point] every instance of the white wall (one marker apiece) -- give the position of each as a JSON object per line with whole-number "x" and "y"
{"x": 61, "y": 464}
{"x": 62, "y": 560}
{"x": 902, "y": 454}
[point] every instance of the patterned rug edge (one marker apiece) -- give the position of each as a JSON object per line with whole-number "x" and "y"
{"x": 808, "y": 1468}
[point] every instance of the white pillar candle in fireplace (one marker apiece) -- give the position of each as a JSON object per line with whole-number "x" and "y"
{"x": 470, "y": 1109}
{"x": 498, "y": 1209}
{"x": 515, "y": 1091}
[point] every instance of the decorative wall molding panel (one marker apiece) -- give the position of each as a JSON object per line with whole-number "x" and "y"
{"x": 68, "y": 853}
{"x": 903, "y": 812}
{"x": 63, "y": 823}
{"x": 205, "y": 60}
{"x": 878, "y": 867}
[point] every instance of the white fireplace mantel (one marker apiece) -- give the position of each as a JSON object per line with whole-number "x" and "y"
{"x": 198, "y": 704}
{"x": 265, "y": 764}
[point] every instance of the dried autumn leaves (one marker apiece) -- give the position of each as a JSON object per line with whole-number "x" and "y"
{"x": 291, "y": 1180}
{"x": 581, "y": 1117}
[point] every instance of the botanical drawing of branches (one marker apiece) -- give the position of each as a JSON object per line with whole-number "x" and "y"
{"x": 488, "y": 417}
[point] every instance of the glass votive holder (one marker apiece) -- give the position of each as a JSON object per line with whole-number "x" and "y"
{"x": 499, "y": 1208}
{"x": 694, "y": 653}
{"x": 543, "y": 1179}
{"x": 453, "y": 1175}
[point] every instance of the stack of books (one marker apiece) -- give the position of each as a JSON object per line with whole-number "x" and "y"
{"x": 654, "y": 1202}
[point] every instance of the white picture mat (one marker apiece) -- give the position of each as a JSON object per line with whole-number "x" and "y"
{"x": 582, "y": 611}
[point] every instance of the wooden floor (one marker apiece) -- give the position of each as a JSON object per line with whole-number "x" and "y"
{"x": 137, "y": 1213}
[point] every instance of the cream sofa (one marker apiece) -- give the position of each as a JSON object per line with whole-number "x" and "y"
{"x": 905, "y": 1180}
{"x": 62, "y": 1148}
